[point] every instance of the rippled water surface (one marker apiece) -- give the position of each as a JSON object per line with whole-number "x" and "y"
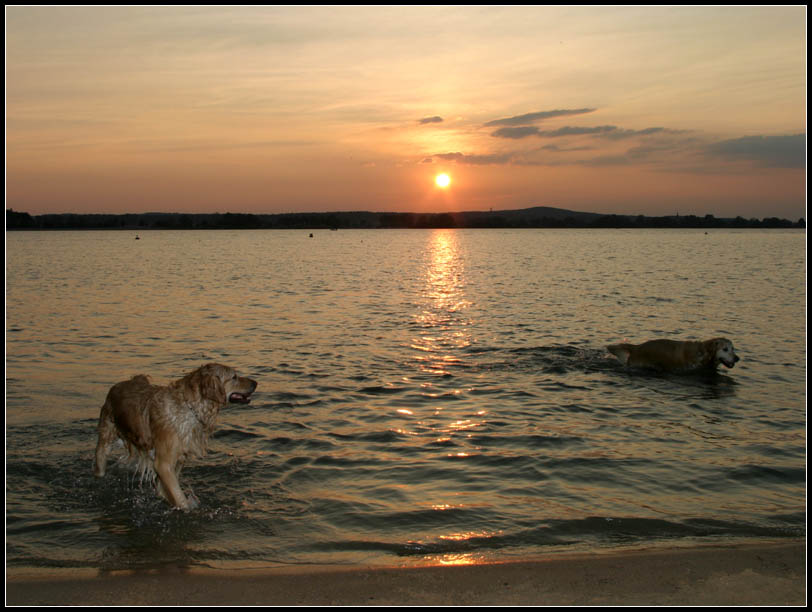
{"x": 424, "y": 396}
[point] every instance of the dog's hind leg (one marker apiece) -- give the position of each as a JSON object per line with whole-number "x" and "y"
{"x": 108, "y": 434}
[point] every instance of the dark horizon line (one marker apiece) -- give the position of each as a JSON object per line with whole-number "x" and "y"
{"x": 537, "y": 217}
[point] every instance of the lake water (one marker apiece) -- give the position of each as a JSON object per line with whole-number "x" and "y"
{"x": 437, "y": 396}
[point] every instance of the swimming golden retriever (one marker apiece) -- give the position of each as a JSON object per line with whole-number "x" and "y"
{"x": 677, "y": 355}
{"x": 163, "y": 426}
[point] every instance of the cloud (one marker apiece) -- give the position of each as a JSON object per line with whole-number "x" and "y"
{"x": 434, "y": 119}
{"x": 606, "y": 131}
{"x": 525, "y": 131}
{"x": 476, "y": 160}
{"x": 537, "y": 116}
{"x": 656, "y": 148}
{"x": 673, "y": 150}
{"x": 516, "y": 132}
{"x": 554, "y": 148}
{"x": 772, "y": 151}
{"x": 577, "y": 131}
{"x": 619, "y": 133}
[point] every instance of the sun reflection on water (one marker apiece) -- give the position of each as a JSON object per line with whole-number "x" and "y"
{"x": 443, "y": 328}
{"x": 462, "y": 559}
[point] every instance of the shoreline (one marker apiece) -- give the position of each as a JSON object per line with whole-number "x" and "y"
{"x": 722, "y": 574}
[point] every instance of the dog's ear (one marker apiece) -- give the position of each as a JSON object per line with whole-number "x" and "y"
{"x": 716, "y": 344}
{"x": 213, "y": 389}
{"x": 207, "y": 379}
{"x": 711, "y": 349}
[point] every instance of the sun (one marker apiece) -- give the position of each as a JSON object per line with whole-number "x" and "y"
{"x": 442, "y": 180}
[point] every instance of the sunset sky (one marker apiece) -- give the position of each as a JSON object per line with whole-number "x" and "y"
{"x": 628, "y": 110}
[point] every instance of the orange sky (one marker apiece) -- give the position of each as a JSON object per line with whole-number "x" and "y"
{"x": 630, "y": 110}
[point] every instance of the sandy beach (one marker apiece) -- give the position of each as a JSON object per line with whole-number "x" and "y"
{"x": 762, "y": 574}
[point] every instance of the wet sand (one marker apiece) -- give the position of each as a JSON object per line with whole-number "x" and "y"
{"x": 762, "y": 574}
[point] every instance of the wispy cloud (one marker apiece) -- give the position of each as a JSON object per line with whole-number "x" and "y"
{"x": 475, "y": 160}
{"x": 787, "y": 151}
{"x": 516, "y": 133}
{"x": 528, "y": 118}
{"x": 524, "y": 132}
{"x": 608, "y": 131}
{"x": 435, "y": 119}
{"x": 655, "y": 147}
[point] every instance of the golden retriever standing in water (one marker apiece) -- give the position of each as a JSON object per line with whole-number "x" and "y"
{"x": 163, "y": 426}
{"x": 677, "y": 355}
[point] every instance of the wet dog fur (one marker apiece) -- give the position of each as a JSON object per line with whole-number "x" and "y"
{"x": 677, "y": 355}
{"x": 162, "y": 426}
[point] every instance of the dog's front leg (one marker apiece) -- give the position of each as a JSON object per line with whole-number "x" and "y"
{"x": 166, "y": 459}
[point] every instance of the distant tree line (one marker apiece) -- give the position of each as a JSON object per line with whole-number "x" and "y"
{"x": 530, "y": 218}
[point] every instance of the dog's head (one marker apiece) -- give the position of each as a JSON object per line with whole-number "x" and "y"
{"x": 722, "y": 351}
{"x": 222, "y": 384}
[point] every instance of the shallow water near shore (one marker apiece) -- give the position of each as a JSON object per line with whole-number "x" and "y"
{"x": 438, "y": 396}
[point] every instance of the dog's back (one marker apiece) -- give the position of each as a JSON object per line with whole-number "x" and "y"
{"x": 669, "y": 355}
{"x": 676, "y": 355}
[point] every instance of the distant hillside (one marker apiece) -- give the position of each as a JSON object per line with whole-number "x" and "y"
{"x": 538, "y": 216}
{"x": 528, "y": 217}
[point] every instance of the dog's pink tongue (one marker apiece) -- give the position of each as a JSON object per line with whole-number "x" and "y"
{"x": 239, "y": 398}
